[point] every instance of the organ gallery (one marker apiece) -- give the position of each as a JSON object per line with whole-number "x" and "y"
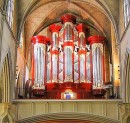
{"x": 70, "y": 64}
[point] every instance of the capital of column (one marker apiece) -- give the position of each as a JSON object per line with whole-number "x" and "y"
{"x": 40, "y": 39}
{"x": 96, "y": 39}
{"x": 68, "y": 18}
{"x": 54, "y": 28}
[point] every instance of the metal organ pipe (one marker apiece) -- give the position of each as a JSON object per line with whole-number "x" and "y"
{"x": 88, "y": 68}
{"x": 54, "y": 52}
{"x": 96, "y": 43}
{"x": 82, "y": 51}
{"x": 68, "y": 46}
{"x": 39, "y": 43}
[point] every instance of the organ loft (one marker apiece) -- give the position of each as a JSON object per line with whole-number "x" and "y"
{"x": 70, "y": 64}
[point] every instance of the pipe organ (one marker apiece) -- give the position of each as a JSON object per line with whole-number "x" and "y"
{"x": 65, "y": 66}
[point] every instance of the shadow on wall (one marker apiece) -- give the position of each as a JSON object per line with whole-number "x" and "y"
{"x": 128, "y": 119}
{"x": 5, "y": 119}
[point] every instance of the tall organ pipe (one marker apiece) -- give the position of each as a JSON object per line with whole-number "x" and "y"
{"x": 39, "y": 44}
{"x": 96, "y": 43}
{"x": 82, "y": 29}
{"x": 54, "y": 52}
{"x": 68, "y": 22}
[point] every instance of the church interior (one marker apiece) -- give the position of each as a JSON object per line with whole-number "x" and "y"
{"x": 64, "y": 61}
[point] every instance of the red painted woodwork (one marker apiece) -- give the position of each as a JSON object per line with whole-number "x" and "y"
{"x": 40, "y": 39}
{"x": 68, "y": 44}
{"x": 68, "y": 18}
{"x": 38, "y": 92}
{"x": 82, "y": 52}
{"x": 54, "y": 52}
{"x": 83, "y": 90}
{"x": 96, "y": 39}
{"x": 82, "y": 28}
{"x": 54, "y": 28}
{"x": 32, "y": 70}
{"x": 99, "y": 92}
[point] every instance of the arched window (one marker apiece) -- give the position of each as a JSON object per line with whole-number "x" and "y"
{"x": 10, "y": 10}
{"x": 126, "y": 12}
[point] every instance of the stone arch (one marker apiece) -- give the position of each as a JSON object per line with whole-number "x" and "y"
{"x": 7, "y": 119}
{"x": 5, "y": 81}
{"x": 126, "y": 118}
{"x": 6, "y": 116}
{"x": 82, "y": 117}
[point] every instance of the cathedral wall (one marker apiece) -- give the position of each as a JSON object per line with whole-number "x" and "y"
{"x": 124, "y": 46}
{"x": 8, "y": 44}
{"x": 7, "y": 47}
{"x": 31, "y": 108}
{"x": 7, "y": 55}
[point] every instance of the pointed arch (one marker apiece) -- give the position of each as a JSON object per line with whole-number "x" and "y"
{"x": 126, "y": 118}
{"x": 6, "y": 116}
{"x": 5, "y": 81}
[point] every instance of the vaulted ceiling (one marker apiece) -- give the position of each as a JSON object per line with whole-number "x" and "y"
{"x": 35, "y": 15}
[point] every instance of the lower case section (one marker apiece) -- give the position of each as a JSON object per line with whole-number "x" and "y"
{"x": 99, "y": 92}
{"x": 68, "y": 90}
